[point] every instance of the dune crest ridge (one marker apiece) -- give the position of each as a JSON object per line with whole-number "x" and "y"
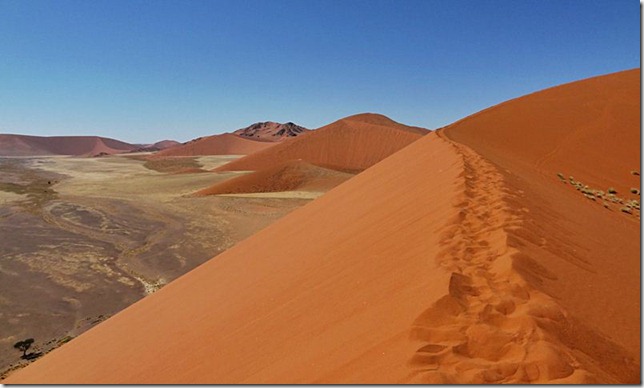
{"x": 493, "y": 326}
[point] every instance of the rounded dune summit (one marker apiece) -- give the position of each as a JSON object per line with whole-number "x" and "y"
{"x": 225, "y": 144}
{"x": 351, "y": 144}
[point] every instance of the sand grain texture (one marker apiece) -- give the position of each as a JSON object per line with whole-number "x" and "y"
{"x": 585, "y": 256}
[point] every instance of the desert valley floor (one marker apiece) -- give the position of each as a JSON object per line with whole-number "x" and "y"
{"x": 83, "y": 238}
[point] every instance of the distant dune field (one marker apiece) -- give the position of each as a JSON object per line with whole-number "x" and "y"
{"x": 350, "y": 145}
{"x": 23, "y": 145}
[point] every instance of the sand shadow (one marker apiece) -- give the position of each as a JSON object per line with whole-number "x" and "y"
{"x": 31, "y": 356}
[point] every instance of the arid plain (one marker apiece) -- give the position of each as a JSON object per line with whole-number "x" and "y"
{"x": 82, "y": 238}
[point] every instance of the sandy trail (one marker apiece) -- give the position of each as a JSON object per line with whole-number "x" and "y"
{"x": 488, "y": 328}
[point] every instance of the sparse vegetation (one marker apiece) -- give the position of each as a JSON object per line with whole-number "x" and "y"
{"x": 65, "y": 339}
{"x": 23, "y": 346}
{"x": 606, "y": 197}
{"x": 635, "y": 172}
{"x": 170, "y": 165}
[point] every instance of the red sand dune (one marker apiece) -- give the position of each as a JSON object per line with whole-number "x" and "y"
{"x": 226, "y": 144}
{"x": 460, "y": 259}
{"x": 287, "y": 176}
{"x": 24, "y": 145}
{"x": 351, "y": 144}
{"x": 158, "y": 146}
{"x": 163, "y": 144}
{"x": 271, "y": 131}
{"x": 586, "y": 257}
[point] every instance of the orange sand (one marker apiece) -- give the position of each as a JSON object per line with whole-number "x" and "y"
{"x": 351, "y": 144}
{"x": 583, "y": 255}
{"x": 459, "y": 259}
{"x": 226, "y": 144}
{"x": 287, "y": 176}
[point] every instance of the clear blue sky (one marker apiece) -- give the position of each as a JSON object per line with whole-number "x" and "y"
{"x": 142, "y": 71}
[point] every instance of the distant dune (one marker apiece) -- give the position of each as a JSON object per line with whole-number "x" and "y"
{"x": 351, "y": 144}
{"x": 158, "y": 146}
{"x": 462, "y": 258}
{"x": 245, "y": 141}
{"x": 24, "y": 145}
{"x": 226, "y": 144}
{"x": 271, "y": 131}
{"x": 286, "y": 176}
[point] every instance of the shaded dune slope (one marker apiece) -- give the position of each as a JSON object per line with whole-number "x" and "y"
{"x": 226, "y": 144}
{"x": 446, "y": 262}
{"x": 584, "y": 255}
{"x": 287, "y": 176}
{"x": 24, "y": 145}
{"x": 351, "y": 144}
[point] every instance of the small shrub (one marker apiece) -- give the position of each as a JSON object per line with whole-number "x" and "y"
{"x": 635, "y": 191}
{"x": 635, "y": 172}
{"x": 626, "y": 210}
{"x": 612, "y": 190}
{"x": 23, "y": 346}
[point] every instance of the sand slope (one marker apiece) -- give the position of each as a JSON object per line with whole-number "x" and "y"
{"x": 158, "y": 146}
{"x": 226, "y": 144}
{"x": 24, "y": 145}
{"x": 351, "y": 144}
{"x": 584, "y": 255}
{"x": 287, "y": 176}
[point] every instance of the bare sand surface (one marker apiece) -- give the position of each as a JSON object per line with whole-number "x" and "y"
{"x": 225, "y": 144}
{"x": 83, "y": 238}
{"x": 278, "y": 194}
{"x": 350, "y": 145}
{"x": 24, "y": 145}
{"x": 582, "y": 250}
{"x": 293, "y": 175}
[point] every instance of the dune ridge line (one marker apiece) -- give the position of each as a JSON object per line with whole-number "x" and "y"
{"x": 492, "y": 326}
